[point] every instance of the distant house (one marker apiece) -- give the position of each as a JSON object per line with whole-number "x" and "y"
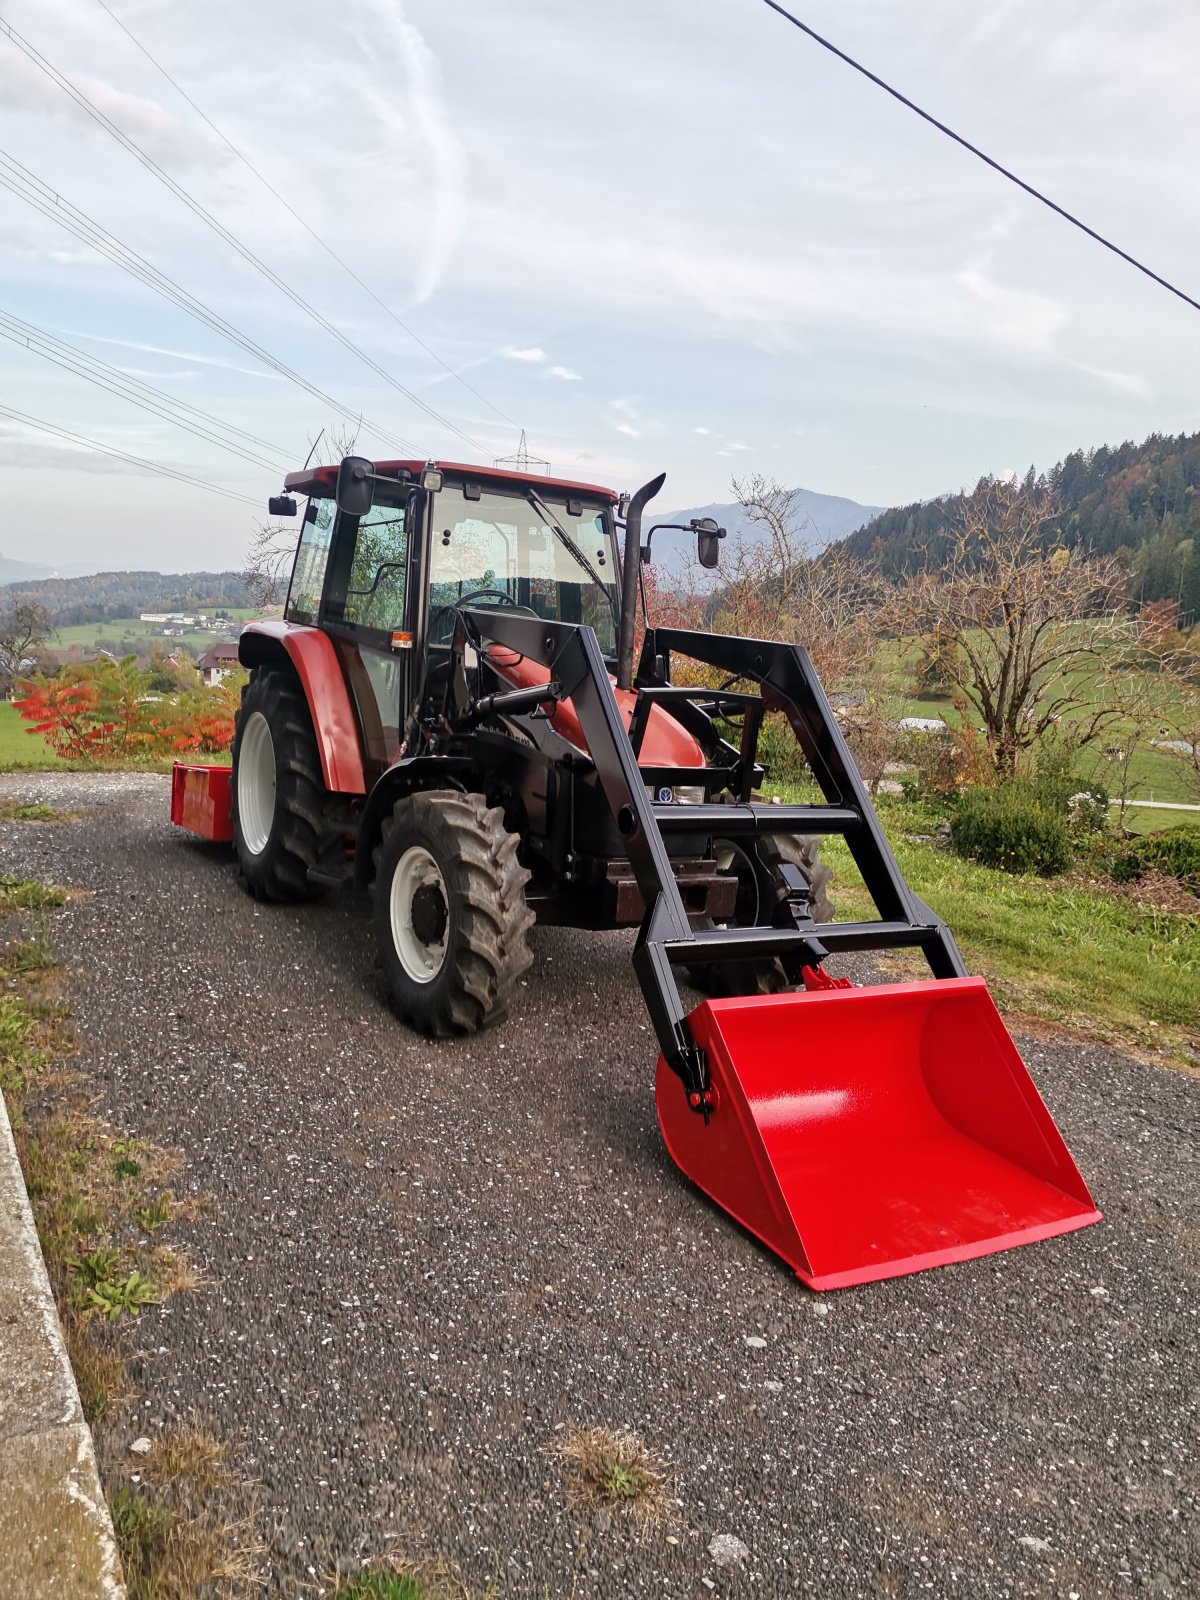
{"x": 220, "y": 658}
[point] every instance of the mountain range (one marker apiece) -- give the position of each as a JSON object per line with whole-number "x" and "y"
{"x": 14, "y": 571}
{"x": 829, "y": 517}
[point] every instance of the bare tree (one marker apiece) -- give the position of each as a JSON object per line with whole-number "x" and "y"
{"x": 780, "y": 587}
{"x": 25, "y": 627}
{"x": 1024, "y": 624}
{"x": 1179, "y": 728}
{"x": 272, "y": 548}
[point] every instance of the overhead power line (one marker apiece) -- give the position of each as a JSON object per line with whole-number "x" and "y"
{"x": 304, "y": 223}
{"x": 990, "y": 161}
{"x": 71, "y": 359}
{"x": 121, "y": 455}
{"x": 224, "y": 233}
{"x": 24, "y": 183}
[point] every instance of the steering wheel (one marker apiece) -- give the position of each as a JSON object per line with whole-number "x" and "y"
{"x": 494, "y": 594}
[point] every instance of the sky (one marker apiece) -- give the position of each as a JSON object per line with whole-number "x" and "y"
{"x": 657, "y": 234}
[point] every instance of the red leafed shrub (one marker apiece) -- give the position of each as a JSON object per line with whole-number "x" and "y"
{"x": 105, "y": 711}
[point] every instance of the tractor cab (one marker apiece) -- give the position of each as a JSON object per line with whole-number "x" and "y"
{"x": 390, "y": 552}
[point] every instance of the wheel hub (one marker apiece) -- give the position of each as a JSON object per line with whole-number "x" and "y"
{"x": 419, "y": 908}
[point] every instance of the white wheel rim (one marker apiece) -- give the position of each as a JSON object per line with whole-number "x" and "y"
{"x": 256, "y": 783}
{"x": 420, "y": 927}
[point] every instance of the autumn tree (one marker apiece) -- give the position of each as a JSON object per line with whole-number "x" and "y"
{"x": 25, "y": 627}
{"x": 1024, "y": 625}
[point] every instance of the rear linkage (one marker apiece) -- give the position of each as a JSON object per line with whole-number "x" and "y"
{"x": 666, "y": 939}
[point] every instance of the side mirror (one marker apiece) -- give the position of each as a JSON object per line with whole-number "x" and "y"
{"x": 708, "y": 541}
{"x": 281, "y": 505}
{"x": 355, "y": 492}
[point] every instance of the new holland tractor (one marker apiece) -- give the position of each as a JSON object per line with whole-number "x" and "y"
{"x": 449, "y": 715}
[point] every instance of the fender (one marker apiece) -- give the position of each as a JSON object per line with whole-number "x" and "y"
{"x": 405, "y": 776}
{"x": 316, "y": 665}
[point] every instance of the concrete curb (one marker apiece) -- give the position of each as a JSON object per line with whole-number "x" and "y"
{"x": 56, "y": 1537}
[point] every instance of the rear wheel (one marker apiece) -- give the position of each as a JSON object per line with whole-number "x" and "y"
{"x": 451, "y": 922}
{"x": 278, "y": 795}
{"x": 759, "y": 889}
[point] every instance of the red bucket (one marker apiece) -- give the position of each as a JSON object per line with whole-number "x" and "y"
{"x": 867, "y": 1133}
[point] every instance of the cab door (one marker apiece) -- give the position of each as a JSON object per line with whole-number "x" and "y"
{"x": 365, "y": 614}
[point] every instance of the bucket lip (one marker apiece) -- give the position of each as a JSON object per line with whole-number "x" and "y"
{"x": 975, "y": 1250}
{"x": 865, "y": 993}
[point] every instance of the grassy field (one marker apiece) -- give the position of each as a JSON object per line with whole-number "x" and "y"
{"x": 119, "y": 630}
{"x": 1054, "y": 949}
{"x": 19, "y": 748}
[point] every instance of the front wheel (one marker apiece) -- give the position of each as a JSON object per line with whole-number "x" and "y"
{"x": 451, "y": 923}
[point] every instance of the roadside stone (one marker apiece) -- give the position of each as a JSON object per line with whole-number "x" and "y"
{"x": 727, "y": 1550}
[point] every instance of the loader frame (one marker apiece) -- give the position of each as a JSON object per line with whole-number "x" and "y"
{"x": 666, "y": 940}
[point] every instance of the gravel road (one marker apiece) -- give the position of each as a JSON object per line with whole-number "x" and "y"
{"x": 428, "y": 1260}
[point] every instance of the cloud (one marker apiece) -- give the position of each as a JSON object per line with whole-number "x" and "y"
{"x": 704, "y": 431}
{"x": 415, "y": 103}
{"x": 629, "y": 430}
{"x": 1014, "y": 316}
{"x": 567, "y": 374}
{"x": 25, "y": 87}
{"x": 533, "y": 354}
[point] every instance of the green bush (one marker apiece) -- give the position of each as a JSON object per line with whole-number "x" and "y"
{"x": 1175, "y": 852}
{"x": 779, "y": 751}
{"x": 1013, "y": 828}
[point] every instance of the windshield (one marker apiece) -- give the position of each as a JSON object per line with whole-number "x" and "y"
{"x": 503, "y": 549}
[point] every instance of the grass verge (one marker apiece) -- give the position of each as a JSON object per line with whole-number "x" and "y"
{"x": 1056, "y": 949}
{"x": 186, "y": 1524}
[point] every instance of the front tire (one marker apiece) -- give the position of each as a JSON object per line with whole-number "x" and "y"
{"x": 451, "y": 923}
{"x": 278, "y": 794}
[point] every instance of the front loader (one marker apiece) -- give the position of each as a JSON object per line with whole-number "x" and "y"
{"x": 449, "y": 715}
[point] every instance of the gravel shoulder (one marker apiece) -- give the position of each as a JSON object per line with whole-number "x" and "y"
{"x": 427, "y": 1260}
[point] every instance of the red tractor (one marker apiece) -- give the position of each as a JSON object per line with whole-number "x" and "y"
{"x": 449, "y": 714}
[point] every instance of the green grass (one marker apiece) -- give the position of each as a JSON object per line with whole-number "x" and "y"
{"x": 383, "y": 1586}
{"x": 1052, "y": 948}
{"x": 22, "y": 894}
{"x": 20, "y": 748}
{"x": 118, "y": 631}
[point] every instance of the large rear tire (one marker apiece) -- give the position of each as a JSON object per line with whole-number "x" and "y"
{"x": 451, "y": 922}
{"x": 278, "y": 795}
{"x": 758, "y": 889}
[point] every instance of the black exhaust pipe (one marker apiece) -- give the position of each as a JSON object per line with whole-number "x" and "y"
{"x": 631, "y": 567}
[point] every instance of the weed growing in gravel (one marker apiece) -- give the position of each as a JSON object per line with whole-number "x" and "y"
{"x": 122, "y": 1297}
{"x": 11, "y": 811}
{"x": 393, "y": 1579}
{"x": 612, "y": 1467}
{"x": 177, "y": 1525}
{"x": 23, "y": 894}
{"x": 35, "y": 954}
{"x": 16, "y": 1025}
{"x": 151, "y": 1217}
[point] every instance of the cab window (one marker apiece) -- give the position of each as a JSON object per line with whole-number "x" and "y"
{"x": 374, "y": 595}
{"x": 312, "y": 558}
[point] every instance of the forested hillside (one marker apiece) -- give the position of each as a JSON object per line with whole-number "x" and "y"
{"x": 103, "y": 595}
{"x": 1139, "y": 502}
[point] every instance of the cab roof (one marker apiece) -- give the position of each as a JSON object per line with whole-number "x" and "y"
{"x": 320, "y": 480}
